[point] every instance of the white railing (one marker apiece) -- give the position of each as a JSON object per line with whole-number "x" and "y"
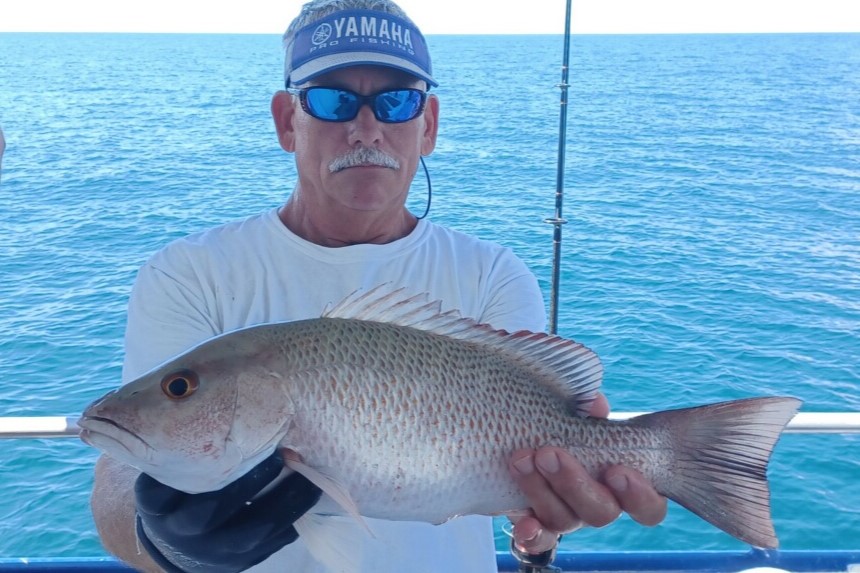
{"x": 802, "y": 423}
{"x": 65, "y": 427}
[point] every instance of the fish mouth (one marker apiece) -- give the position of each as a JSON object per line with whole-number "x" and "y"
{"x": 106, "y": 434}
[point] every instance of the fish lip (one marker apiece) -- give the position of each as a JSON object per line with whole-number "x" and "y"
{"x": 98, "y": 426}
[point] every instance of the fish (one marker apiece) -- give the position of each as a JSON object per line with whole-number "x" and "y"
{"x": 400, "y": 411}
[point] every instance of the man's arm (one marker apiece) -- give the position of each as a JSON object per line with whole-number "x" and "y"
{"x": 113, "y": 508}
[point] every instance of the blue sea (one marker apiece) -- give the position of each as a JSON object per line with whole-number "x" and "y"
{"x": 712, "y": 250}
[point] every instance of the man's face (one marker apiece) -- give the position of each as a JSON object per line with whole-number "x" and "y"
{"x": 318, "y": 144}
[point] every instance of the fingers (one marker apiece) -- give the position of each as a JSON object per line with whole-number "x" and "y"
{"x": 531, "y": 537}
{"x": 636, "y": 495}
{"x": 560, "y": 491}
{"x": 564, "y": 497}
{"x": 600, "y": 407}
{"x": 550, "y": 510}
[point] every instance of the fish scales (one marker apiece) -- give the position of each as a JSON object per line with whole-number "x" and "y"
{"x": 400, "y": 411}
{"x": 454, "y": 411}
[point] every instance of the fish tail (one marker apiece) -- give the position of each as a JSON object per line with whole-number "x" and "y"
{"x": 721, "y": 455}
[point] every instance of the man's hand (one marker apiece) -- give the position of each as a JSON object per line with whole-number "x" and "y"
{"x": 564, "y": 497}
{"x": 222, "y": 531}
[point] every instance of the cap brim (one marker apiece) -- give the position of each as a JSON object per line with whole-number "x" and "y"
{"x": 319, "y": 66}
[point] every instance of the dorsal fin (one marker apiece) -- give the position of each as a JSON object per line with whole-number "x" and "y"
{"x": 572, "y": 371}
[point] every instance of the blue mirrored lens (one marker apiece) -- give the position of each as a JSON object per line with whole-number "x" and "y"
{"x": 398, "y": 105}
{"x": 330, "y": 104}
{"x": 393, "y": 106}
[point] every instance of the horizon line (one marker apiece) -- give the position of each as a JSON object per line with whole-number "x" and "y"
{"x": 657, "y": 33}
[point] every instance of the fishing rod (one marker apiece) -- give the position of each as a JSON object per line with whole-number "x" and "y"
{"x": 557, "y": 221}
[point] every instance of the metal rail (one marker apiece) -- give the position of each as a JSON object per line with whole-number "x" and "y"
{"x": 584, "y": 561}
{"x": 802, "y": 423}
{"x": 65, "y": 427}
{"x": 580, "y": 561}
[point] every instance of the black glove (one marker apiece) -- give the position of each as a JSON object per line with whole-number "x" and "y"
{"x": 220, "y": 531}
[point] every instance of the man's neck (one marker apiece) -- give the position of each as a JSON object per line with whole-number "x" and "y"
{"x": 341, "y": 229}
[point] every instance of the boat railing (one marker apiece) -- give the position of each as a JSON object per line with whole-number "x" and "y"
{"x": 640, "y": 561}
{"x": 752, "y": 560}
{"x": 66, "y": 427}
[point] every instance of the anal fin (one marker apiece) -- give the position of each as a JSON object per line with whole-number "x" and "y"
{"x": 335, "y": 541}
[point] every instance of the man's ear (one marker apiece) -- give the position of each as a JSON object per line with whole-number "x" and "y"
{"x": 283, "y": 113}
{"x": 431, "y": 125}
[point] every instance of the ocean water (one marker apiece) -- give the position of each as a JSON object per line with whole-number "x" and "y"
{"x": 712, "y": 250}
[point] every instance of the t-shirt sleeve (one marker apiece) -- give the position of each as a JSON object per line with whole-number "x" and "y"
{"x": 514, "y": 298}
{"x": 167, "y": 315}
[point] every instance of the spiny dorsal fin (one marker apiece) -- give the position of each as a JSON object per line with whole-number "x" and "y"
{"x": 572, "y": 371}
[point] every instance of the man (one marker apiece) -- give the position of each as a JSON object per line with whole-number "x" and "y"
{"x": 357, "y": 118}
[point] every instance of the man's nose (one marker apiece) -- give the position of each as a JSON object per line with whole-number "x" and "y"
{"x": 365, "y": 128}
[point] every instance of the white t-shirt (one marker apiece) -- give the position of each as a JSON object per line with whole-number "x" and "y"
{"x": 257, "y": 271}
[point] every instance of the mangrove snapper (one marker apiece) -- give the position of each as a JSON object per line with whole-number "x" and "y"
{"x": 401, "y": 412}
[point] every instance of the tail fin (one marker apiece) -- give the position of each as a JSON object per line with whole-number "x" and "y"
{"x": 721, "y": 456}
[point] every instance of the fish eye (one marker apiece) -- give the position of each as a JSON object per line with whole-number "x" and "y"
{"x": 179, "y": 385}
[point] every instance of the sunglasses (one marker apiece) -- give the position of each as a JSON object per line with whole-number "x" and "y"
{"x": 336, "y": 104}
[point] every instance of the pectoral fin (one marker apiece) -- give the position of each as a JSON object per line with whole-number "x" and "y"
{"x": 332, "y": 488}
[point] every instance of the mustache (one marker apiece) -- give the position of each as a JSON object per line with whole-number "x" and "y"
{"x": 363, "y": 156}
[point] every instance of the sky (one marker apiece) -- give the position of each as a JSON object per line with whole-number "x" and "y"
{"x": 442, "y": 16}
